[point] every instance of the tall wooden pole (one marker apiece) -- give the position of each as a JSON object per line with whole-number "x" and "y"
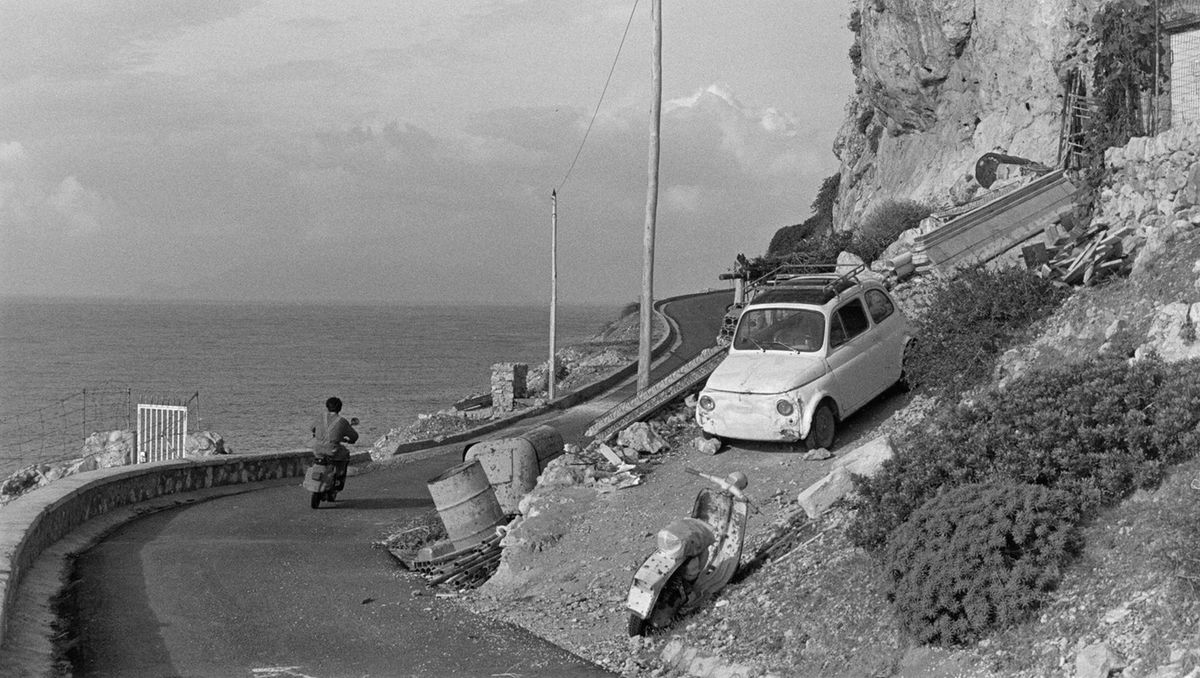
{"x": 647, "y": 301}
{"x": 553, "y": 368}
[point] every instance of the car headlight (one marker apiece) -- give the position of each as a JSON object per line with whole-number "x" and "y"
{"x": 706, "y": 403}
{"x": 785, "y": 407}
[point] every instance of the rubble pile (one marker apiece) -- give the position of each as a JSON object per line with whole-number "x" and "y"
{"x": 462, "y": 569}
{"x": 1090, "y": 257}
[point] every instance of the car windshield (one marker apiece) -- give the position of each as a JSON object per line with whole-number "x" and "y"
{"x": 780, "y": 329}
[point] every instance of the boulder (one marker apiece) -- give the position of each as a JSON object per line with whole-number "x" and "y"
{"x": 847, "y": 262}
{"x": 110, "y": 448}
{"x": 567, "y": 469}
{"x": 819, "y": 496}
{"x": 1172, "y": 333}
{"x": 706, "y": 445}
{"x": 19, "y": 483}
{"x": 865, "y": 460}
{"x": 641, "y": 438}
{"x": 1097, "y": 661}
{"x": 204, "y": 444}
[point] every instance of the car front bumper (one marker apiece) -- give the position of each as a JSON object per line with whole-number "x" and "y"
{"x": 751, "y": 416}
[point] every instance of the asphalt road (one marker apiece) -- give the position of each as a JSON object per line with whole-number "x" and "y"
{"x": 258, "y": 584}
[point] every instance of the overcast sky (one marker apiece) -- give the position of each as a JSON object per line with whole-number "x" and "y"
{"x": 402, "y": 150}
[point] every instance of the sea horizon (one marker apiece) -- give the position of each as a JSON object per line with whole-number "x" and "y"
{"x": 76, "y": 299}
{"x": 262, "y": 369}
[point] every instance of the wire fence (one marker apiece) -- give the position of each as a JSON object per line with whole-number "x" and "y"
{"x": 1184, "y": 102}
{"x": 1180, "y": 29}
{"x": 57, "y": 432}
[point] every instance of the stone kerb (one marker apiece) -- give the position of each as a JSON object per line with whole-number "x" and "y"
{"x": 585, "y": 392}
{"x": 33, "y": 522}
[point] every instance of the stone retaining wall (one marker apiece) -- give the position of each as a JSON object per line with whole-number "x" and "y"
{"x": 33, "y": 522}
{"x": 1155, "y": 181}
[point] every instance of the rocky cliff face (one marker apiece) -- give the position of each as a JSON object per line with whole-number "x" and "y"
{"x": 941, "y": 82}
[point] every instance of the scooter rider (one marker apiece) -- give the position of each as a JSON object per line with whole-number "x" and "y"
{"x": 329, "y": 431}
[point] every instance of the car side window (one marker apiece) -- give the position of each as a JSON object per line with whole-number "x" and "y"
{"x": 848, "y": 322}
{"x": 879, "y": 305}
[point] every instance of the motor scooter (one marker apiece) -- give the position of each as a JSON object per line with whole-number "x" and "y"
{"x": 695, "y": 557}
{"x": 326, "y": 477}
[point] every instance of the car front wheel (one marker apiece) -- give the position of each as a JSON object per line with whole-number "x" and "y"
{"x": 822, "y": 429}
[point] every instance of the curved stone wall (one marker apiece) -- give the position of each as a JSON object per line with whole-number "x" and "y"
{"x": 33, "y": 522}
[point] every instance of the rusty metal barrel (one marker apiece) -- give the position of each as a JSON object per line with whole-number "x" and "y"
{"x": 512, "y": 465}
{"x": 466, "y": 504}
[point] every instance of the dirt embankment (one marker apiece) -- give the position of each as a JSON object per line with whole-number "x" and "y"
{"x": 813, "y": 605}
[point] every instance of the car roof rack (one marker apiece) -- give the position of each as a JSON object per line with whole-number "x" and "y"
{"x": 814, "y": 275}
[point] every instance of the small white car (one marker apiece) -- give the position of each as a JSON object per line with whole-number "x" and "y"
{"x": 806, "y": 354}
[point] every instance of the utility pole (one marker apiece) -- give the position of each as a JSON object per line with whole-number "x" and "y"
{"x": 647, "y": 301}
{"x": 553, "y": 368}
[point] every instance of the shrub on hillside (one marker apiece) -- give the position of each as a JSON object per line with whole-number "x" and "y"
{"x": 971, "y": 319}
{"x": 818, "y": 250}
{"x": 978, "y": 557}
{"x": 1097, "y": 430}
{"x": 884, "y": 225}
{"x": 795, "y": 238}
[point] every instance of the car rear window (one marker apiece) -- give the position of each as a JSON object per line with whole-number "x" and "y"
{"x": 848, "y": 322}
{"x": 879, "y": 305}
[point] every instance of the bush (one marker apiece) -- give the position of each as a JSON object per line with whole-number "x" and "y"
{"x": 978, "y": 557}
{"x": 971, "y": 320}
{"x": 1097, "y": 430}
{"x": 810, "y": 234}
{"x": 794, "y": 238}
{"x": 884, "y": 225}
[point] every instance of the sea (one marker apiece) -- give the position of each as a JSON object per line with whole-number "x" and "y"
{"x": 257, "y": 374}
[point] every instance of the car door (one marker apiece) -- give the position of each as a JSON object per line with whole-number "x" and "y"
{"x": 888, "y": 333}
{"x": 850, "y": 357}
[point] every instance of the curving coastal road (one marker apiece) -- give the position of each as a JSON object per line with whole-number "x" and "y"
{"x": 257, "y": 584}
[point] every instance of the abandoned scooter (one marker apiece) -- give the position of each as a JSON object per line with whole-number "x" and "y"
{"x": 695, "y": 557}
{"x": 327, "y": 476}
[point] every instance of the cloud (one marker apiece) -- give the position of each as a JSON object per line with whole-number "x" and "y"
{"x": 63, "y": 40}
{"x": 388, "y": 211}
{"x": 33, "y": 206}
{"x": 756, "y": 137}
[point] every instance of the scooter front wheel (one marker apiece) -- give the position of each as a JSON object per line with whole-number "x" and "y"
{"x": 637, "y": 625}
{"x": 315, "y": 502}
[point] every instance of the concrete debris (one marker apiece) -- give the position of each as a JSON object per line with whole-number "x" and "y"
{"x": 617, "y": 481}
{"x": 640, "y": 437}
{"x": 865, "y": 460}
{"x": 609, "y": 454}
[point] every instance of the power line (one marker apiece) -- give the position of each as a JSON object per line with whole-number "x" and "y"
{"x": 601, "y": 100}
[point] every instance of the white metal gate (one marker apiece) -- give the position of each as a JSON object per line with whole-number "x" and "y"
{"x": 161, "y": 430}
